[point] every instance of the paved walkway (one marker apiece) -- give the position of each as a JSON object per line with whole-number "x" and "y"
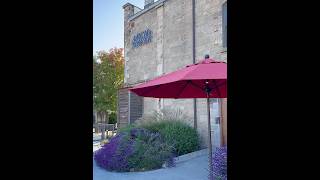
{"x": 193, "y": 169}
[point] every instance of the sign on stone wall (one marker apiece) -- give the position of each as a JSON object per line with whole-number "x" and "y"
{"x": 142, "y": 38}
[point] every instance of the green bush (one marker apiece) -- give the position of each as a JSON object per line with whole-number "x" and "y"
{"x": 171, "y": 124}
{"x": 112, "y": 118}
{"x": 182, "y": 137}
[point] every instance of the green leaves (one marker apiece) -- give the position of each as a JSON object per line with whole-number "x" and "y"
{"x": 108, "y": 76}
{"x": 171, "y": 124}
{"x": 151, "y": 152}
{"x": 181, "y": 136}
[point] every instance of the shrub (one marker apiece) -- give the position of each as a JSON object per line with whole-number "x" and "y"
{"x": 134, "y": 149}
{"x": 104, "y": 155}
{"x": 181, "y": 136}
{"x": 220, "y": 163}
{"x": 123, "y": 153}
{"x": 114, "y": 155}
{"x": 151, "y": 152}
{"x": 127, "y": 128}
{"x": 171, "y": 124}
{"x": 112, "y": 118}
{"x": 155, "y": 140}
{"x": 164, "y": 114}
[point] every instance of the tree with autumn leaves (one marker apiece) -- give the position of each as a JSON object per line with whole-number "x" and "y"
{"x": 108, "y": 75}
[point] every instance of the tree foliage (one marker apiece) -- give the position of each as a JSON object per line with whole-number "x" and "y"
{"x": 108, "y": 74}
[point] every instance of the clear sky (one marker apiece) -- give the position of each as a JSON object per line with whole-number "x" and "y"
{"x": 108, "y": 23}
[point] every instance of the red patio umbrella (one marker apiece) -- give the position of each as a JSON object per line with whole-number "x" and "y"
{"x": 206, "y": 79}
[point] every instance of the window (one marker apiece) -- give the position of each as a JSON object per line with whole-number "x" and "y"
{"x": 224, "y": 25}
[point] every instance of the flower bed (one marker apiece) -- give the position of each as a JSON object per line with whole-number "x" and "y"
{"x": 149, "y": 144}
{"x": 135, "y": 150}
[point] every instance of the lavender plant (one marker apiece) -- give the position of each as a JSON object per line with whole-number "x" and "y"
{"x": 220, "y": 163}
{"x": 134, "y": 150}
{"x": 104, "y": 156}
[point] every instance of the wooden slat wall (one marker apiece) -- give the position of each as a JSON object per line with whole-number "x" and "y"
{"x": 136, "y": 107}
{"x": 122, "y": 108}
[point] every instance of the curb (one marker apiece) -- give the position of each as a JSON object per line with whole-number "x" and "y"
{"x": 192, "y": 155}
{"x": 188, "y": 156}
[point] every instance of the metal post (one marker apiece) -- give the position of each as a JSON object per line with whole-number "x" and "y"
{"x": 102, "y": 132}
{"x": 208, "y": 90}
{"x": 112, "y": 130}
{"x": 210, "y": 143}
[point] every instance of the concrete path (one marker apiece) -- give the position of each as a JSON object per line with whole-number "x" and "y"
{"x": 192, "y": 169}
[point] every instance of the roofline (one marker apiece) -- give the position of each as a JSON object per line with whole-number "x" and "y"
{"x": 154, "y": 5}
{"x": 129, "y": 4}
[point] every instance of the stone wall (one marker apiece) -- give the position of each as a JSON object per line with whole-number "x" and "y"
{"x": 209, "y": 41}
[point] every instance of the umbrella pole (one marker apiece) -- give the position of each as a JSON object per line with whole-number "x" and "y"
{"x": 209, "y": 136}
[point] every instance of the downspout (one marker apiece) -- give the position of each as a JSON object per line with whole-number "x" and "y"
{"x": 194, "y": 60}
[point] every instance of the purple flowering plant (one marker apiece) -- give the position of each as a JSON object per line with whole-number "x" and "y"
{"x": 220, "y": 163}
{"x": 134, "y": 150}
{"x": 114, "y": 155}
{"x": 104, "y": 156}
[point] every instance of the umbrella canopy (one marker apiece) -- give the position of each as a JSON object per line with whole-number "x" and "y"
{"x": 189, "y": 82}
{"x": 206, "y": 79}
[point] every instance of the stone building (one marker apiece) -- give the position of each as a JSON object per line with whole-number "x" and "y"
{"x": 167, "y": 35}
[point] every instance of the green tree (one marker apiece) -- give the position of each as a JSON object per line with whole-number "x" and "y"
{"x": 108, "y": 75}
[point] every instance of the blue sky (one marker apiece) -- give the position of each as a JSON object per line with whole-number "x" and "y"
{"x": 108, "y": 23}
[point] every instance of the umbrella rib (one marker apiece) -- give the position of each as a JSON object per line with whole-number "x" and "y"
{"x": 217, "y": 87}
{"x": 151, "y": 89}
{"x": 184, "y": 86}
{"x": 195, "y": 85}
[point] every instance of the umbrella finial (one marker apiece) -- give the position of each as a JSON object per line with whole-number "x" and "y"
{"x": 206, "y": 56}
